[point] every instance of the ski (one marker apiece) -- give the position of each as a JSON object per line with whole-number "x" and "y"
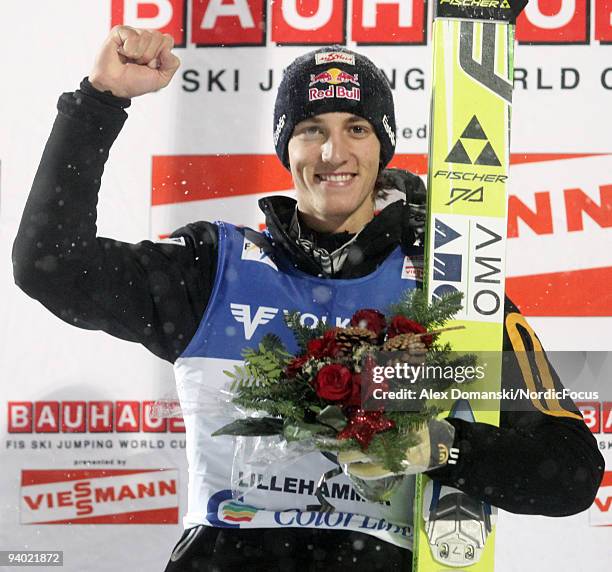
{"x": 473, "y": 48}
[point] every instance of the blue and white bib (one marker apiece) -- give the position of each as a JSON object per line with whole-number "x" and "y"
{"x": 254, "y": 287}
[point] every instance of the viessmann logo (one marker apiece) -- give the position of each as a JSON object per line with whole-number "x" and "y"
{"x": 136, "y": 496}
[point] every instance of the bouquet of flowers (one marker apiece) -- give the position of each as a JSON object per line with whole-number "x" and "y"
{"x": 322, "y": 395}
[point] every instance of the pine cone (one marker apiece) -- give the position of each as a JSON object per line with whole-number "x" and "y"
{"x": 412, "y": 348}
{"x": 351, "y": 337}
{"x": 398, "y": 343}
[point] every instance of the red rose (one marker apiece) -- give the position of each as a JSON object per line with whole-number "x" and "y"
{"x": 324, "y": 346}
{"x": 401, "y": 325}
{"x": 369, "y": 319}
{"x": 333, "y": 382}
{"x": 295, "y": 365}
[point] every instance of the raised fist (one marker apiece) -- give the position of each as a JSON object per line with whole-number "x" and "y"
{"x": 134, "y": 61}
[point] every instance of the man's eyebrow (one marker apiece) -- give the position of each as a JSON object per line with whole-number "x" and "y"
{"x": 318, "y": 121}
{"x": 355, "y": 119}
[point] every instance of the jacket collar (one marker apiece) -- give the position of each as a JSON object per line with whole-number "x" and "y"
{"x": 398, "y": 223}
{"x": 381, "y": 235}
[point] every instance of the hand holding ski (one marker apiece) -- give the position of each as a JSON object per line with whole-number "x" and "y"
{"x": 434, "y": 441}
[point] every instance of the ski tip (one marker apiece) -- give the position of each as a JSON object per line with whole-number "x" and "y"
{"x": 487, "y": 10}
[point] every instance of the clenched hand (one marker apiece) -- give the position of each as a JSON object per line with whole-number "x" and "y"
{"x": 134, "y": 61}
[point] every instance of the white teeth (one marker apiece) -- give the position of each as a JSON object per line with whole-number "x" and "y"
{"x": 336, "y": 178}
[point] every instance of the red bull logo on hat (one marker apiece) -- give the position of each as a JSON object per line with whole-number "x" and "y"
{"x": 335, "y": 78}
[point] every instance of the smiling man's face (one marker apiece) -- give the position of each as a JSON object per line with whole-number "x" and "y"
{"x": 334, "y": 160}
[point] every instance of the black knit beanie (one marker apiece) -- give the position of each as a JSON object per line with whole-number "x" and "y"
{"x": 334, "y": 79}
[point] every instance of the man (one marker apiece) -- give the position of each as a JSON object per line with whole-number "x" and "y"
{"x": 333, "y": 128}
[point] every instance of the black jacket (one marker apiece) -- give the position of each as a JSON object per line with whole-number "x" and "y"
{"x": 155, "y": 294}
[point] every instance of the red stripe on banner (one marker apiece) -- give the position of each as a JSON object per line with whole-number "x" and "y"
{"x": 154, "y": 516}
{"x": 184, "y": 178}
{"x": 607, "y": 479}
{"x": 41, "y": 477}
{"x": 572, "y": 293}
{"x": 519, "y": 158}
{"x": 416, "y": 164}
